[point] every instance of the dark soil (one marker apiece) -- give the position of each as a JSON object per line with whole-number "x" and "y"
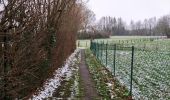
{"x": 90, "y": 92}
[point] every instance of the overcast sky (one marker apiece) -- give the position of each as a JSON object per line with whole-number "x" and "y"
{"x": 130, "y": 9}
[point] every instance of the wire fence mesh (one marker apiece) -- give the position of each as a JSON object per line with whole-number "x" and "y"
{"x": 149, "y": 69}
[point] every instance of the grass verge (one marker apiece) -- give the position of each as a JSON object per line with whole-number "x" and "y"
{"x": 107, "y": 86}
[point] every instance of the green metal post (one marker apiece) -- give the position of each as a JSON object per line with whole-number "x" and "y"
{"x": 90, "y": 44}
{"x": 102, "y": 51}
{"x": 97, "y": 51}
{"x": 132, "y": 61}
{"x": 114, "y": 61}
{"x": 100, "y": 48}
{"x": 106, "y": 54}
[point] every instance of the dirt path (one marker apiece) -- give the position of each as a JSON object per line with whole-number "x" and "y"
{"x": 90, "y": 92}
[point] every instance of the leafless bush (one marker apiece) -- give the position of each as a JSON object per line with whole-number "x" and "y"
{"x": 43, "y": 34}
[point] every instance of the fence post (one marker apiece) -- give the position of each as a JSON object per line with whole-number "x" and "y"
{"x": 90, "y": 44}
{"x": 106, "y": 54}
{"x": 114, "y": 61}
{"x": 102, "y": 51}
{"x": 132, "y": 61}
{"x": 97, "y": 50}
{"x": 93, "y": 47}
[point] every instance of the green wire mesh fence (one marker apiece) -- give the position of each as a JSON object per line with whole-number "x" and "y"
{"x": 143, "y": 68}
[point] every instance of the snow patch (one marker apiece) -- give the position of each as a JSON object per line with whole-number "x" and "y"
{"x": 60, "y": 74}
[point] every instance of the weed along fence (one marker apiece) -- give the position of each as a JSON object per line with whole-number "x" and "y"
{"x": 109, "y": 55}
{"x": 145, "y": 72}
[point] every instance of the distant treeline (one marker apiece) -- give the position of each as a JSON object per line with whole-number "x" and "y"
{"x": 111, "y": 26}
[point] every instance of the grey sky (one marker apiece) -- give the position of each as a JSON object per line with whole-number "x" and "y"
{"x": 130, "y": 9}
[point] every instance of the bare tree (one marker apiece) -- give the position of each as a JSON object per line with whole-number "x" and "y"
{"x": 164, "y": 25}
{"x": 42, "y": 36}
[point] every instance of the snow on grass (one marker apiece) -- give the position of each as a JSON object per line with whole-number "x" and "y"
{"x": 151, "y": 73}
{"x": 75, "y": 87}
{"x": 60, "y": 75}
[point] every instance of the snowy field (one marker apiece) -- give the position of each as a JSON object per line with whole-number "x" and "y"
{"x": 151, "y": 78}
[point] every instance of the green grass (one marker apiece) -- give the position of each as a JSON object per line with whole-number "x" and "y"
{"x": 118, "y": 39}
{"x": 151, "y": 67}
{"x": 101, "y": 77}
